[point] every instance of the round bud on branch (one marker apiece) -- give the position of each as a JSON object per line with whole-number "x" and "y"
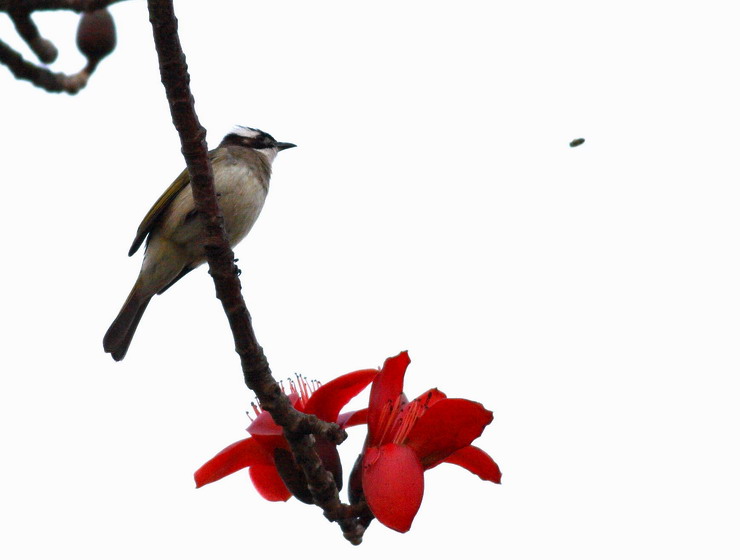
{"x": 96, "y": 36}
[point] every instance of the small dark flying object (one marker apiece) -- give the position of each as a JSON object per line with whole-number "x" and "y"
{"x": 577, "y": 142}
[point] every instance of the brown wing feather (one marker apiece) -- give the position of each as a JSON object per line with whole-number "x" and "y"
{"x": 151, "y": 218}
{"x": 147, "y": 224}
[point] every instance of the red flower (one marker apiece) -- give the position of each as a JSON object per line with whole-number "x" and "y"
{"x": 406, "y": 438}
{"x": 267, "y": 454}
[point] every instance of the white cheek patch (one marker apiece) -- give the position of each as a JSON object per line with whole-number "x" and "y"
{"x": 269, "y": 152}
{"x": 246, "y": 132}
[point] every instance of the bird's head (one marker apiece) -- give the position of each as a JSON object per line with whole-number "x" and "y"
{"x": 256, "y": 140}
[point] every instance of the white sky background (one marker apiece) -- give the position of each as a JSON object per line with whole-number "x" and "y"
{"x": 588, "y": 296}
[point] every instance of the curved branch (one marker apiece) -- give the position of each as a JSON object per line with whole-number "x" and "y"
{"x": 54, "y": 82}
{"x": 96, "y": 38}
{"x": 297, "y": 427}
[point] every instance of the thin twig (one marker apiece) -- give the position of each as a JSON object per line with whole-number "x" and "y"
{"x": 26, "y": 28}
{"x": 54, "y": 82}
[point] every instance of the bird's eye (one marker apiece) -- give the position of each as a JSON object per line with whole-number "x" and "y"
{"x": 264, "y": 142}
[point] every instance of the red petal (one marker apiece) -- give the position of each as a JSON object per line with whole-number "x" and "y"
{"x": 236, "y": 456}
{"x": 329, "y": 399}
{"x": 477, "y": 462}
{"x": 353, "y": 418}
{"x": 387, "y": 387}
{"x": 427, "y": 399}
{"x": 268, "y": 483}
{"x": 393, "y": 483}
{"x": 264, "y": 425}
{"x": 432, "y": 396}
{"x": 447, "y": 426}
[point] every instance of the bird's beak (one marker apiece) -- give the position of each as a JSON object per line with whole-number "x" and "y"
{"x": 284, "y": 146}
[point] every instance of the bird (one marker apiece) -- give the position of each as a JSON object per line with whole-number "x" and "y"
{"x": 242, "y": 164}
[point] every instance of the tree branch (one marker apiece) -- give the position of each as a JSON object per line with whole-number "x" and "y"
{"x": 26, "y": 28}
{"x": 96, "y": 39}
{"x": 53, "y": 82}
{"x": 45, "y": 5}
{"x": 297, "y": 427}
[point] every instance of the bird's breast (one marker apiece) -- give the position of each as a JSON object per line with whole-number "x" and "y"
{"x": 241, "y": 194}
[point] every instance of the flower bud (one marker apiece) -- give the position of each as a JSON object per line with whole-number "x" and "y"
{"x": 96, "y": 35}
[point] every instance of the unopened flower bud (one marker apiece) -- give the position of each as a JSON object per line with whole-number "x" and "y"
{"x": 96, "y": 35}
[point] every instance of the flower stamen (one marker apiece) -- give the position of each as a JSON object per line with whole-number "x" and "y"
{"x": 408, "y": 417}
{"x": 389, "y": 416}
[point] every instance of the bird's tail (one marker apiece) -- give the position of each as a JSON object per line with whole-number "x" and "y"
{"x": 118, "y": 338}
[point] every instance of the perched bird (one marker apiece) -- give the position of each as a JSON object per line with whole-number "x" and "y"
{"x": 174, "y": 235}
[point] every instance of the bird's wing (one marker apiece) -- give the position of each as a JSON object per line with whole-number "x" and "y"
{"x": 151, "y": 218}
{"x": 156, "y": 211}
